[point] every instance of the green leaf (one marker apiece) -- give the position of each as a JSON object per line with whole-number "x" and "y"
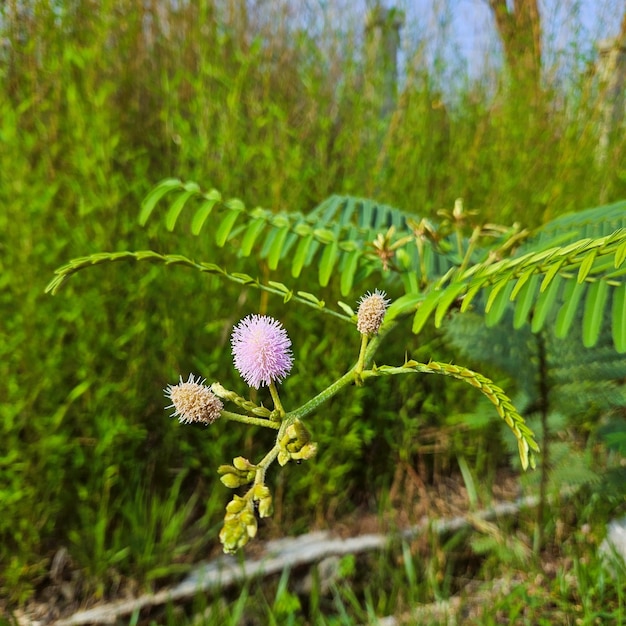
{"x": 403, "y": 305}
{"x": 594, "y": 312}
{"x": 496, "y": 291}
{"x": 324, "y": 235}
{"x": 571, "y": 298}
{"x": 499, "y": 302}
{"x": 203, "y": 212}
{"x": 305, "y": 295}
{"x": 287, "y": 293}
{"x": 521, "y": 281}
{"x": 246, "y": 279}
{"x": 221, "y": 235}
{"x": 470, "y": 295}
{"x": 346, "y": 308}
{"x": 151, "y": 200}
{"x": 252, "y": 232}
{"x": 327, "y": 262}
{"x": 586, "y": 265}
{"x": 277, "y": 247}
{"x": 525, "y": 301}
{"x": 550, "y": 274}
{"x": 176, "y": 208}
{"x": 620, "y": 255}
{"x": 349, "y": 270}
{"x": 447, "y": 297}
{"x": 619, "y": 318}
{"x": 426, "y": 308}
{"x": 544, "y": 305}
{"x": 300, "y": 255}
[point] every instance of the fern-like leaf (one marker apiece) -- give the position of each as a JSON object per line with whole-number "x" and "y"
{"x": 595, "y": 262}
{"x": 524, "y": 435}
{"x": 63, "y": 274}
{"x": 337, "y": 236}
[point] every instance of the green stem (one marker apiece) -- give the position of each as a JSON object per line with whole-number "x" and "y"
{"x": 469, "y": 251}
{"x": 323, "y": 396}
{"x": 348, "y": 378}
{"x": 262, "y": 466}
{"x": 361, "y": 361}
{"x": 276, "y": 398}
{"x": 247, "y": 419}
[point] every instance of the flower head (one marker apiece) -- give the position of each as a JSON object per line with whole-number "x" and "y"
{"x": 193, "y": 401}
{"x": 261, "y": 350}
{"x": 372, "y": 308}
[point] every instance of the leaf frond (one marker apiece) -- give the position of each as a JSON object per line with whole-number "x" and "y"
{"x": 344, "y": 235}
{"x": 62, "y": 275}
{"x": 597, "y": 263}
{"x": 503, "y": 404}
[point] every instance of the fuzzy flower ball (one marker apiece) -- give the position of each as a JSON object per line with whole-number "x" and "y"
{"x": 371, "y": 313}
{"x": 261, "y": 350}
{"x": 193, "y": 401}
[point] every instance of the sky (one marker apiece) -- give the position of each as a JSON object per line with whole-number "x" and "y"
{"x": 466, "y": 30}
{"x": 470, "y": 26}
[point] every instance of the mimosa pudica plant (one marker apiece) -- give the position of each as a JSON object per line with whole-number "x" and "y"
{"x": 262, "y": 355}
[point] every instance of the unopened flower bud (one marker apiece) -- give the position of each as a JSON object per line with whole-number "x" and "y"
{"x": 233, "y": 477}
{"x": 243, "y": 464}
{"x": 266, "y": 506}
{"x": 236, "y": 505}
{"x": 193, "y": 401}
{"x": 260, "y": 491}
{"x": 371, "y": 313}
{"x": 305, "y": 453}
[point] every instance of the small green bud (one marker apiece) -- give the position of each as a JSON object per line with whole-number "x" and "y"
{"x": 266, "y": 506}
{"x": 296, "y": 435}
{"x": 248, "y": 519}
{"x": 231, "y": 481}
{"x": 283, "y": 457}
{"x": 233, "y": 477}
{"x": 306, "y": 452}
{"x": 222, "y": 392}
{"x": 233, "y": 536}
{"x": 236, "y": 505}
{"x": 260, "y": 491}
{"x": 242, "y": 464}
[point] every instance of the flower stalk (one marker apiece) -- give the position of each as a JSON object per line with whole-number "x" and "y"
{"x": 262, "y": 355}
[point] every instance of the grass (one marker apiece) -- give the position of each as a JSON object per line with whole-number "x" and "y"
{"x": 98, "y": 106}
{"x": 442, "y": 579}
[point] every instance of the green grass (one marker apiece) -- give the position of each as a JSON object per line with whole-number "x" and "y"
{"x": 95, "y": 109}
{"x": 566, "y": 584}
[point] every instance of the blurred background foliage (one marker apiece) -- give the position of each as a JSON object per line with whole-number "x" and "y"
{"x": 99, "y": 101}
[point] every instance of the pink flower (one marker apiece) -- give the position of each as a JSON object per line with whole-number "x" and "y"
{"x": 193, "y": 401}
{"x": 261, "y": 350}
